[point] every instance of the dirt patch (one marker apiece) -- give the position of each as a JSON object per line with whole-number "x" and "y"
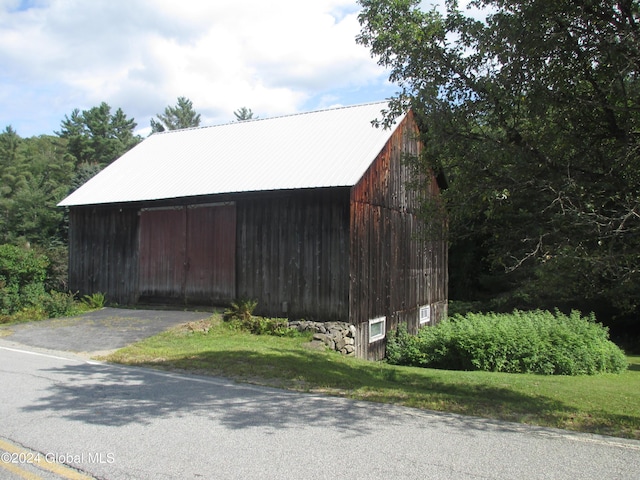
{"x": 199, "y": 326}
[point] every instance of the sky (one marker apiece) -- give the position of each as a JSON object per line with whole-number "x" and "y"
{"x": 275, "y": 57}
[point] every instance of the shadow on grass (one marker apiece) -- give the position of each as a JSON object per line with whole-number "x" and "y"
{"x": 379, "y": 382}
{"x": 107, "y": 394}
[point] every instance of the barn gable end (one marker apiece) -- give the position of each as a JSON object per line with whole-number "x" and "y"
{"x": 395, "y": 270}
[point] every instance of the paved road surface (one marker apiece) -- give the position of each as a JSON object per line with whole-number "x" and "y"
{"x": 98, "y": 331}
{"x": 131, "y": 423}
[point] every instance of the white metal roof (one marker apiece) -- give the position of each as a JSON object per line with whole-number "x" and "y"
{"x": 327, "y": 148}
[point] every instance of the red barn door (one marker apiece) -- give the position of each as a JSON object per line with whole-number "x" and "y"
{"x": 188, "y": 254}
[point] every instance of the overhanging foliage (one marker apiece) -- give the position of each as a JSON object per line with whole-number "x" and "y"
{"x": 534, "y": 114}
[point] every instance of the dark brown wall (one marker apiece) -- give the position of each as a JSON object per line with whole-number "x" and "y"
{"x": 393, "y": 269}
{"x": 291, "y": 252}
{"x": 174, "y": 255}
{"x": 103, "y": 252}
{"x": 294, "y": 248}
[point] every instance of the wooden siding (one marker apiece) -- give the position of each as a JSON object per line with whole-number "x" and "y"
{"x": 293, "y": 251}
{"x": 103, "y": 252}
{"x": 187, "y": 254}
{"x": 211, "y": 253}
{"x": 394, "y": 270}
{"x": 162, "y": 253}
{"x": 159, "y": 255}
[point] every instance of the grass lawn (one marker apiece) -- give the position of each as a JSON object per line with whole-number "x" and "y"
{"x": 607, "y": 404}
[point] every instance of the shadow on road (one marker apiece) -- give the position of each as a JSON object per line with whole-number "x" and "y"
{"x": 105, "y": 394}
{"x": 110, "y": 395}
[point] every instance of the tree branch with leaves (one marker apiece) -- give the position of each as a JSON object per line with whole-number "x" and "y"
{"x": 540, "y": 100}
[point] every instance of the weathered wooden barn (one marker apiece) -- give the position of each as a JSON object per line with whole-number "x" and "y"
{"x": 311, "y": 214}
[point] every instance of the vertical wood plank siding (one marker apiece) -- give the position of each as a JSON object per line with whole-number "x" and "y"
{"x": 211, "y": 254}
{"x": 393, "y": 270}
{"x": 187, "y": 254}
{"x": 162, "y": 254}
{"x": 293, "y": 252}
{"x": 103, "y": 252}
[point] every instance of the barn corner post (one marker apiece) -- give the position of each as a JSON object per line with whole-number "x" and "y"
{"x": 397, "y": 273}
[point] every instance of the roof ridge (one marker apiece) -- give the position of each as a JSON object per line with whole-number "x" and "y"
{"x": 287, "y": 115}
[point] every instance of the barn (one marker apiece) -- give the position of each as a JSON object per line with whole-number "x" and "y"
{"x": 313, "y": 215}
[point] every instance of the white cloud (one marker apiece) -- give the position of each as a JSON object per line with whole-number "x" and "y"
{"x": 274, "y": 57}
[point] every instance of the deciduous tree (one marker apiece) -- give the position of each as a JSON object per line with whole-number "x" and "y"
{"x": 534, "y": 114}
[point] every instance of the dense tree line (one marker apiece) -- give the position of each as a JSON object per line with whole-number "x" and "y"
{"x": 35, "y": 174}
{"x": 533, "y": 114}
{"x": 38, "y": 172}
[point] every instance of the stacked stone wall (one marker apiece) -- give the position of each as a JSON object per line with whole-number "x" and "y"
{"x": 338, "y": 336}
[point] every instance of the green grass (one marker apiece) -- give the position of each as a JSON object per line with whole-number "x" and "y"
{"x": 605, "y": 404}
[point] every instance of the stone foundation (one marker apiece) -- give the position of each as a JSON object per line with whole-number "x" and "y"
{"x": 338, "y": 336}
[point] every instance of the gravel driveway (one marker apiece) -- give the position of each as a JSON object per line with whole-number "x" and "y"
{"x": 99, "y": 331}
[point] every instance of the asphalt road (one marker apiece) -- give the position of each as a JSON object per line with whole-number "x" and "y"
{"x": 132, "y": 423}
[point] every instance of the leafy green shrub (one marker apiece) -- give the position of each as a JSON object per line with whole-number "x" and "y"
{"x": 240, "y": 315}
{"x": 95, "y": 300}
{"x": 27, "y": 314}
{"x": 520, "y": 342}
{"x": 59, "y": 304}
{"x": 404, "y": 348}
{"x": 280, "y": 328}
{"x": 22, "y": 276}
{"x": 58, "y": 268}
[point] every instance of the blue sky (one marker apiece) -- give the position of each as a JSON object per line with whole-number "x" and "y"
{"x": 275, "y": 57}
